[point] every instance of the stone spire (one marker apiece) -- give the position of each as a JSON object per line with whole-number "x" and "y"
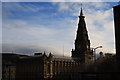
{"x": 82, "y": 42}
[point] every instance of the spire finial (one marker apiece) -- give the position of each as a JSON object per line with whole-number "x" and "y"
{"x": 81, "y": 13}
{"x": 44, "y": 52}
{"x": 50, "y": 54}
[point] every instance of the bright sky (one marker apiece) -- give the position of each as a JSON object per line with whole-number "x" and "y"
{"x": 30, "y": 27}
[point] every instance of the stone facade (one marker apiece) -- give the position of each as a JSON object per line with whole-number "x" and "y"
{"x": 42, "y": 67}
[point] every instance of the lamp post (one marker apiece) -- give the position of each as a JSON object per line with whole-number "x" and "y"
{"x": 94, "y": 51}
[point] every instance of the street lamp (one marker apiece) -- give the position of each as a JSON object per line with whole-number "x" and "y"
{"x": 94, "y": 51}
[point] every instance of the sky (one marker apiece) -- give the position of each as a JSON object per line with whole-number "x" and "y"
{"x": 29, "y": 27}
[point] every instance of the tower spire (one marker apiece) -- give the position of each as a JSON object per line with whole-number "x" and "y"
{"x": 82, "y": 42}
{"x": 81, "y": 13}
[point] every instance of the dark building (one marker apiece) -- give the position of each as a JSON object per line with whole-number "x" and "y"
{"x": 117, "y": 32}
{"x": 9, "y": 61}
{"x": 45, "y": 67}
{"x": 82, "y": 42}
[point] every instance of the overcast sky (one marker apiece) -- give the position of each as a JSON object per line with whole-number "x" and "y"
{"x": 30, "y": 27}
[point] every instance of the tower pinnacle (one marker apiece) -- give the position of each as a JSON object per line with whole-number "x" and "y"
{"x": 81, "y": 13}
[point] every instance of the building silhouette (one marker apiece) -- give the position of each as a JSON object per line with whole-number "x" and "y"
{"x": 80, "y": 66}
{"x": 82, "y": 42}
{"x": 117, "y": 32}
{"x": 9, "y": 61}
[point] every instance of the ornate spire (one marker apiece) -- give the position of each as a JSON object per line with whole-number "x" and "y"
{"x": 50, "y": 54}
{"x": 82, "y": 42}
{"x": 81, "y": 13}
{"x": 44, "y": 53}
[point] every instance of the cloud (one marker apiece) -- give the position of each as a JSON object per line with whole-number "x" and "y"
{"x": 99, "y": 20}
{"x": 51, "y": 32}
{"x": 20, "y": 32}
{"x": 63, "y": 6}
{"x": 19, "y": 10}
{"x": 30, "y": 49}
{"x": 100, "y": 28}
